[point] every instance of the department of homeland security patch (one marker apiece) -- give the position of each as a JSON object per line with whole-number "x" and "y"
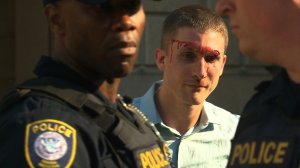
{"x": 50, "y": 143}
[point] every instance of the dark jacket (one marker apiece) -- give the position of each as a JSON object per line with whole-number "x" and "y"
{"x": 269, "y": 130}
{"x": 42, "y": 129}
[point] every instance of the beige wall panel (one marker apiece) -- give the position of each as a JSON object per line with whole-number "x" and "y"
{"x": 7, "y": 45}
{"x": 31, "y": 36}
{"x": 168, "y": 5}
{"x": 152, "y": 36}
{"x": 7, "y": 59}
{"x": 5, "y": 86}
{"x": 139, "y": 81}
{"x": 236, "y": 88}
{"x": 7, "y": 18}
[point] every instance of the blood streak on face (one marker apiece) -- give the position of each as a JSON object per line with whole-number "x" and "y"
{"x": 194, "y": 46}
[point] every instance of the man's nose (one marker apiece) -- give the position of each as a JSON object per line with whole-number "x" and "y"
{"x": 200, "y": 69}
{"x": 124, "y": 23}
{"x": 224, "y": 7}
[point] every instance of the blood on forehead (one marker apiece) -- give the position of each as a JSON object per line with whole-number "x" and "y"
{"x": 194, "y": 46}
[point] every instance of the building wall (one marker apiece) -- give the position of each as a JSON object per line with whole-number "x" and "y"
{"x": 25, "y": 37}
{"x": 32, "y": 37}
{"x": 7, "y": 45}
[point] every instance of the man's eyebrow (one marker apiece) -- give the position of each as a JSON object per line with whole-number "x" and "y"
{"x": 189, "y": 44}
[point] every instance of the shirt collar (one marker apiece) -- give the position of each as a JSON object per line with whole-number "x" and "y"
{"x": 148, "y": 106}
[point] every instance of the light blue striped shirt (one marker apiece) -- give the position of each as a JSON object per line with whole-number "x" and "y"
{"x": 207, "y": 145}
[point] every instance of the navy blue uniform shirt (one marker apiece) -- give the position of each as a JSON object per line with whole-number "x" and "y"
{"x": 268, "y": 134}
{"x": 46, "y": 132}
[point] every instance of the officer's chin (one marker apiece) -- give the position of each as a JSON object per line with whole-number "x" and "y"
{"x": 118, "y": 74}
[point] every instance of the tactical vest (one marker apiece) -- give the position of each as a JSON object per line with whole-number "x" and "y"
{"x": 266, "y": 138}
{"x": 143, "y": 141}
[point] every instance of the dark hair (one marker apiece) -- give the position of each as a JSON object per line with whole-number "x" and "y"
{"x": 195, "y": 16}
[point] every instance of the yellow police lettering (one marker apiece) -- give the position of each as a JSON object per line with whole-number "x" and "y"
{"x": 155, "y": 154}
{"x": 153, "y": 158}
{"x": 252, "y": 160}
{"x": 162, "y": 158}
{"x": 261, "y": 152}
{"x": 35, "y": 128}
{"x": 61, "y": 129}
{"x": 252, "y": 153}
{"x": 68, "y": 132}
{"x": 145, "y": 160}
{"x": 43, "y": 127}
{"x": 280, "y": 152}
{"x": 52, "y": 127}
{"x": 237, "y": 152}
{"x": 268, "y": 156}
{"x": 245, "y": 153}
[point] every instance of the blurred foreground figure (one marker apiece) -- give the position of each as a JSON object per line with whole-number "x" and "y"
{"x": 269, "y": 130}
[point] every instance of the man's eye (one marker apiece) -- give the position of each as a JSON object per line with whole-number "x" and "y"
{"x": 189, "y": 55}
{"x": 211, "y": 57}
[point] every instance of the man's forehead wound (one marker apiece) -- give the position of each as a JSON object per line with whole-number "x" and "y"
{"x": 194, "y": 46}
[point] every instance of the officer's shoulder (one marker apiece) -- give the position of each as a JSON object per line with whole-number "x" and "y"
{"x": 35, "y": 107}
{"x": 260, "y": 90}
{"x": 263, "y": 85}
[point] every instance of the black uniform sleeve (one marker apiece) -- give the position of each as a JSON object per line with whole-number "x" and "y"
{"x": 40, "y": 132}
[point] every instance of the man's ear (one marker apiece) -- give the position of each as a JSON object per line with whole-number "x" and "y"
{"x": 160, "y": 56}
{"x": 224, "y": 59}
{"x": 55, "y": 19}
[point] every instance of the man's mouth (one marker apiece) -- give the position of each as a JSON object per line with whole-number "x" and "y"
{"x": 197, "y": 85}
{"x": 124, "y": 48}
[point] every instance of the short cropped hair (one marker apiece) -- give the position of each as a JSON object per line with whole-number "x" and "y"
{"x": 195, "y": 16}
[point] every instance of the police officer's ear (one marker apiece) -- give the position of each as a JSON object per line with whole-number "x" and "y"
{"x": 160, "y": 58}
{"x": 54, "y": 18}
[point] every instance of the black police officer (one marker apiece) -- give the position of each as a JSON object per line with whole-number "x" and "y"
{"x": 61, "y": 118}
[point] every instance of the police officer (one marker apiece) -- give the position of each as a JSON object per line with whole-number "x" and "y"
{"x": 60, "y": 118}
{"x": 269, "y": 129}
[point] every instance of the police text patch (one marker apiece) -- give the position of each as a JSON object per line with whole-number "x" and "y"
{"x": 151, "y": 157}
{"x": 273, "y": 153}
{"x": 50, "y": 143}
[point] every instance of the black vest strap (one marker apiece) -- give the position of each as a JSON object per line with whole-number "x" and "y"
{"x": 57, "y": 89}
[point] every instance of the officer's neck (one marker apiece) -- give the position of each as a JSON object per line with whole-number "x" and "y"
{"x": 110, "y": 89}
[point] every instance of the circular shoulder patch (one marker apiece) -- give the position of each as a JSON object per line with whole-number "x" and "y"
{"x": 50, "y": 146}
{"x": 50, "y": 143}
